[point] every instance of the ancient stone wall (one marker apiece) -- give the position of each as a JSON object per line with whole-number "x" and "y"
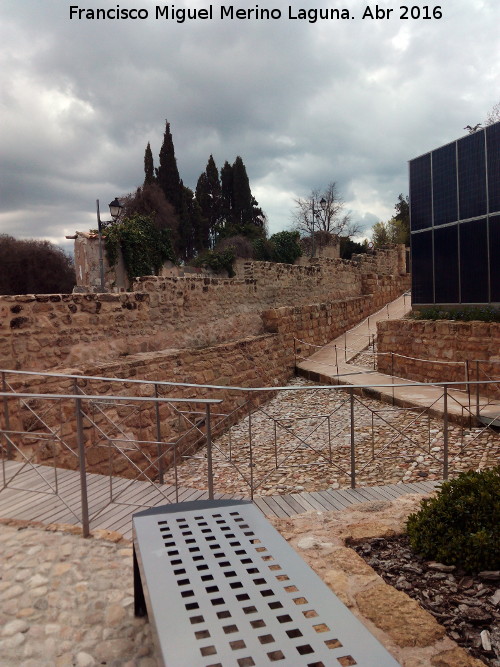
{"x": 46, "y": 331}
{"x": 250, "y": 362}
{"x": 257, "y": 361}
{"x": 39, "y": 332}
{"x": 440, "y": 351}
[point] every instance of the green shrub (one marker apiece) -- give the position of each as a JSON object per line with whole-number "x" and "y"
{"x": 217, "y": 261}
{"x": 483, "y": 314}
{"x": 285, "y": 247}
{"x": 460, "y": 525}
{"x": 144, "y": 247}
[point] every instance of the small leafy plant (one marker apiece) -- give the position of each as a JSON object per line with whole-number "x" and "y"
{"x": 484, "y": 314}
{"x": 218, "y": 261}
{"x": 460, "y": 525}
{"x": 144, "y": 247}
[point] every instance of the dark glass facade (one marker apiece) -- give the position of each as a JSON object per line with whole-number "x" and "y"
{"x": 455, "y": 221}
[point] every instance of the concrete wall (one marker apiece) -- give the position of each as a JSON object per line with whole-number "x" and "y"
{"x": 87, "y": 265}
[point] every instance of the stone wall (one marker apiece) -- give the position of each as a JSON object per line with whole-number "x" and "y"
{"x": 39, "y": 332}
{"x": 46, "y": 331}
{"x": 265, "y": 360}
{"x": 423, "y": 349}
{"x": 250, "y": 362}
{"x": 318, "y": 324}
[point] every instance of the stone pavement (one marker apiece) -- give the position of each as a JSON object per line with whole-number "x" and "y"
{"x": 66, "y": 601}
{"x": 312, "y": 435}
{"x": 335, "y": 363}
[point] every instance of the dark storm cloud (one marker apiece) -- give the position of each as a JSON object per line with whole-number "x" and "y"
{"x": 303, "y": 104}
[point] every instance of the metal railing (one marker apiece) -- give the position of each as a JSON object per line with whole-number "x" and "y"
{"x": 235, "y": 440}
{"x": 476, "y": 369}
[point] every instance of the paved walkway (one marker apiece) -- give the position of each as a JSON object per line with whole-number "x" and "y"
{"x": 68, "y": 602}
{"x": 29, "y": 495}
{"x": 331, "y": 365}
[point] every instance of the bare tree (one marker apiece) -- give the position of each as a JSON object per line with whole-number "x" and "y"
{"x": 494, "y": 115}
{"x": 323, "y": 211}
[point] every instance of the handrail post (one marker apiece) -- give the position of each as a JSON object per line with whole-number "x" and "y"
{"x": 209, "y": 456}
{"x": 6, "y": 417}
{"x": 445, "y": 432}
{"x": 477, "y": 389}
{"x": 353, "y": 444}
{"x": 250, "y": 443}
{"x": 392, "y": 375}
{"x": 83, "y": 475}
{"x": 467, "y": 380}
{"x": 159, "y": 449}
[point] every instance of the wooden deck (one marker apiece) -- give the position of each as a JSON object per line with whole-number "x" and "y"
{"x": 29, "y": 493}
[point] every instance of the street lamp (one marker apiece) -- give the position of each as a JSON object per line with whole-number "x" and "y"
{"x": 315, "y": 214}
{"x": 115, "y": 209}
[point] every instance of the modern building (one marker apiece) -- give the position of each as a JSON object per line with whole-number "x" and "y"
{"x": 455, "y": 222}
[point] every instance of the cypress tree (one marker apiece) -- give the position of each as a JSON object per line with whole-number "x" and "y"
{"x": 226, "y": 180}
{"x": 242, "y": 195}
{"x": 167, "y": 173}
{"x": 193, "y": 225}
{"x": 209, "y": 198}
{"x": 148, "y": 166}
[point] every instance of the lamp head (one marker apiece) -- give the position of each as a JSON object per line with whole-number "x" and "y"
{"x": 115, "y": 208}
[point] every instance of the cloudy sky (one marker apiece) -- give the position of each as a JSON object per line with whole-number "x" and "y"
{"x": 303, "y": 103}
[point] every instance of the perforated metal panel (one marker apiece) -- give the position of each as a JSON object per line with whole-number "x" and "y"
{"x": 224, "y": 589}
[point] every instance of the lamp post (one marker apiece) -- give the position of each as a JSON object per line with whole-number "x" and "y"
{"x": 115, "y": 209}
{"x": 315, "y": 214}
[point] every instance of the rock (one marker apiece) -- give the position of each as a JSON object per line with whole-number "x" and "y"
{"x": 486, "y": 640}
{"x": 375, "y": 506}
{"x": 312, "y": 542}
{"x": 14, "y": 627}
{"x": 455, "y": 657}
{"x": 477, "y": 615}
{"x": 84, "y": 660}
{"x": 385, "y": 607}
{"x": 490, "y": 575}
{"x": 348, "y": 560}
{"x": 440, "y": 567}
{"x": 112, "y": 649}
{"x": 37, "y": 581}
{"x": 495, "y": 599}
{"x": 339, "y": 583}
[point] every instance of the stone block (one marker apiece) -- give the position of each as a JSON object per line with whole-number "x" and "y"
{"x": 385, "y": 607}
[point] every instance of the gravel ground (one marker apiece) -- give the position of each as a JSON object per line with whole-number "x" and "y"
{"x": 301, "y": 442}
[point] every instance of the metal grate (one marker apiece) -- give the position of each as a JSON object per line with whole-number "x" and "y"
{"x": 224, "y": 589}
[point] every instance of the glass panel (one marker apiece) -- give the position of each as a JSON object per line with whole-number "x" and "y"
{"x": 444, "y": 184}
{"x": 421, "y": 265}
{"x": 495, "y": 258}
{"x": 446, "y": 264}
{"x": 420, "y": 192}
{"x": 474, "y": 262}
{"x": 472, "y": 176}
{"x": 493, "y": 145}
